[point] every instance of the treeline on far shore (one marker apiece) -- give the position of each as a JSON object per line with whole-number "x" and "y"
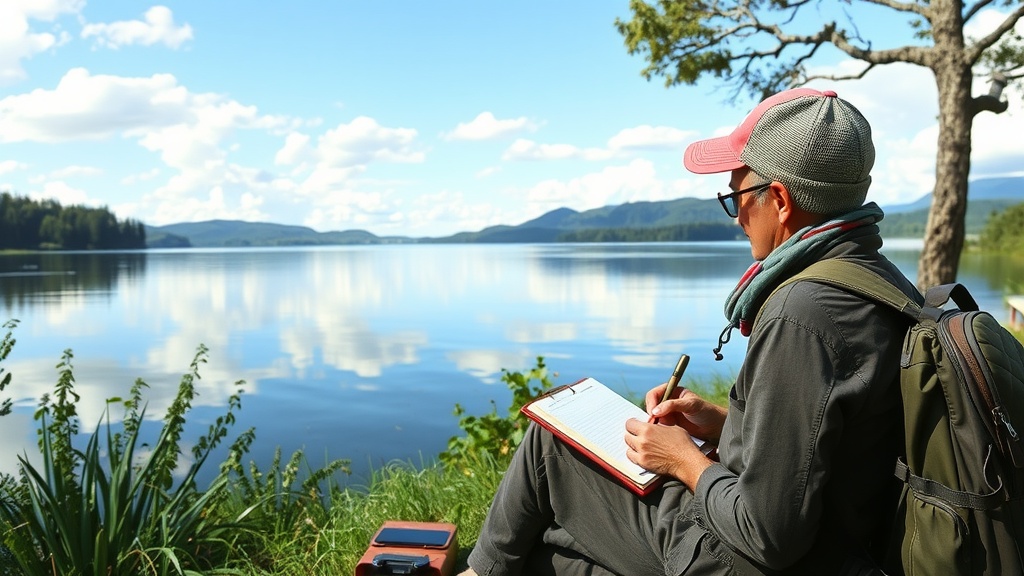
{"x": 1004, "y": 231}
{"x": 27, "y": 224}
{"x": 700, "y": 231}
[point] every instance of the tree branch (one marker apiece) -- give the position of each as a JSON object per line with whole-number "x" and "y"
{"x": 836, "y": 78}
{"x": 902, "y": 6}
{"x": 973, "y": 53}
{"x": 975, "y": 9}
{"x": 1014, "y": 76}
{"x": 987, "y": 103}
{"x": 748, "y": 24}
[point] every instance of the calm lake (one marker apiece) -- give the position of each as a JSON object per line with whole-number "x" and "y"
{"x": 362, "y": 352}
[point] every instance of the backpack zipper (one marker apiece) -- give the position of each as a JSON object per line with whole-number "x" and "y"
{"x": 960, "y": 325}
{"x": 960, "y": 352}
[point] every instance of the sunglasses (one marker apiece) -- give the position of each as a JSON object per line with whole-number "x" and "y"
{"x": 731, "y": 202}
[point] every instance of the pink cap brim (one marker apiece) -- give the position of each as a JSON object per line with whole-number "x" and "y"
{"x": 722, "y": 154}
{"x": 711, "y": 156}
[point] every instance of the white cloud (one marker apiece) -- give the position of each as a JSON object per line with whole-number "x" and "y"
{"x": 337, "y": 198}
{"x": 523, "y": 149}
{"x": 75, "y": 172}
{"x": 488, "y": 171}
{"x": 64, "y": 194}
{"x": 144, "y": 176}
{"x": 157, "y": 28}
{"x": 364, "y": 140}
{"x": 296, "y": 150}
{"x": 449, "y": 211}
{"x": 613, "y": 185}
{"x": 19, "y": 41}
{"x": 344, "y": 208}
{"x": 193, "y": 133}
{"x": 486, "y": 127}
{"x": 985, "y": 22}
{"x": 343, "y": 152}
{"x": 487, "y": 364}
{"x": 83, "y": 106}
{"x": 8, "y": 166}
{"x": 175, "y": 206}
{"x": 648, "y": 137}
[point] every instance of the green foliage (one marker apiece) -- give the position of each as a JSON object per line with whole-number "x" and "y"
{"x": 677, "y": 41}
{"x": 1007, "y": 54}
{"x": 112, "y": 508}
{"x": 5, "y": 349}
{"x": 1005, "y": 231}
{"x": 278, "y": 503}
{"x": 912, "y": 224}
{"x": 31, "y": 225}
{"x": 714, "y": 390}
{"x": 495, "y": 434}
{"x": 332, "y": 538}
{"x": 763, "y": 47}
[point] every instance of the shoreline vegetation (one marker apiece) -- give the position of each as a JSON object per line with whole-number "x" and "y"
{"x": 27, "y": 224}
{"x": 125, "y": 504}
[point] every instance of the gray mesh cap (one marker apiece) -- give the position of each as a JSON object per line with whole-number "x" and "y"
{"x": 815, "y": 143}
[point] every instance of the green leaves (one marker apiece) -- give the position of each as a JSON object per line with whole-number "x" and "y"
{"x": 492, "y": 434}
{"x": 116, "y": 507}
{"x": 5, "y": 378}
{"x": 1004, "y": 231}
{"x": 681, "y": 40}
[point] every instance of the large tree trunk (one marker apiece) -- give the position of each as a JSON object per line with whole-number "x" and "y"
{"x": 944, "y": 234}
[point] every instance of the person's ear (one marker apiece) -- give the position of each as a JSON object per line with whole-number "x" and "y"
{"x": 780, "y": 197}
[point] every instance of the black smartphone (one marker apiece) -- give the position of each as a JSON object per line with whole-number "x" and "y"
{"x": 412, "y": 537}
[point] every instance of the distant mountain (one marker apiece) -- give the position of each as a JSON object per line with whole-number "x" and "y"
{"x": 683, "y": 218}
{"x": 679, "y": 219}
{"x": 984, "y": 197}
{"x": 231, "y": 233}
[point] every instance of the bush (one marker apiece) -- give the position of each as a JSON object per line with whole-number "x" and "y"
{"x": 109, "y": 509}
{"x": 494, "y": 434}
{"x": 1004, "y": 231}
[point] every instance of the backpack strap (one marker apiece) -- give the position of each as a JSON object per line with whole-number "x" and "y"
{"x": 926, "y": 487}
{"x": 856, "y": 279}
{"x": 936, "y": 296}
{"x": 853, "y": 277}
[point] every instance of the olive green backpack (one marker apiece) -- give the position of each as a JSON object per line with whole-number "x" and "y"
{"x": 962, "y": 381}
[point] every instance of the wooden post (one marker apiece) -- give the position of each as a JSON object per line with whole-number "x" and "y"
{"x": 1016, "y": 304}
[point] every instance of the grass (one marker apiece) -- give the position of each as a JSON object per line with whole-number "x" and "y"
{"x": 332, "y": 537}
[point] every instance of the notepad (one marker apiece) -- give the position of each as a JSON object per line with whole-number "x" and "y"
{"x": 591, "y": 418}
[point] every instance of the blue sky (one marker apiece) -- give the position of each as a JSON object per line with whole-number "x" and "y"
{"x": 401, "y": 118}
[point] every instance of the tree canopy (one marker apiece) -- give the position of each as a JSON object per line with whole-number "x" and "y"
{"x": 26, "y": 224}
{"x": 1005, "y": 231}
{"x": 763, "y": 46}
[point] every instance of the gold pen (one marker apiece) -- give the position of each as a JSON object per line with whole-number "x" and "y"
{"x": 674, "y": 379}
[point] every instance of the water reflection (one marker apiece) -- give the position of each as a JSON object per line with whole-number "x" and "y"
{"x": 26, "y": 279}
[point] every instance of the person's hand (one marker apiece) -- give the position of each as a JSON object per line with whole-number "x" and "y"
{"x": 687, "y": 410}
{"x": 667, "y": 450}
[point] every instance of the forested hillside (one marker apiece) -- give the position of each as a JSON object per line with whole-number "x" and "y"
{"x": 1005, "y": 231}
{"x": 26, "y": 224}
